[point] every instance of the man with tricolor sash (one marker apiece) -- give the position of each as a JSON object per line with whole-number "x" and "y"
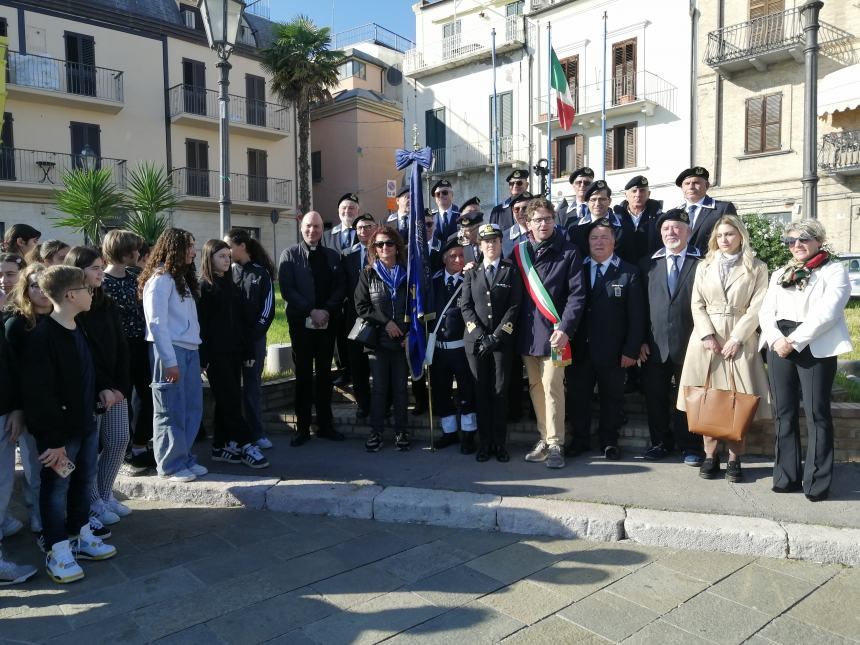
{"x": 551, "y": 308}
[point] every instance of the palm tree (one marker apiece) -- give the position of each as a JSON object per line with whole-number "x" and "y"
{"x": 303, "y": 70}
{"x": 89, "y": 199}
{"x": 150, "y": 194}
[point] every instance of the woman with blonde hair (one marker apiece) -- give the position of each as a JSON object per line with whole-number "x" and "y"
{"x": 727, "y": 293}
{"x": 803, "y": 327}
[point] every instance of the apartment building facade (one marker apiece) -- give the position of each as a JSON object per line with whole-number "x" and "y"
{"x": 750, "y": 105}
{"x": 129, "y": 82}
{"x": 638, "y": 73}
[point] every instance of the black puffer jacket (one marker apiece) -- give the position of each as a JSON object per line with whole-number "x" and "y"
{"x": 373, "y": 302}
{"x": 219, "y": 311}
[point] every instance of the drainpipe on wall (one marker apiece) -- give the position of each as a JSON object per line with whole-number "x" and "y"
{"x": 694, "y": 55}
{"x": 718, "y": 120}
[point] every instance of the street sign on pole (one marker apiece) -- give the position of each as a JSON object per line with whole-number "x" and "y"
{"x": 390, "y": 192}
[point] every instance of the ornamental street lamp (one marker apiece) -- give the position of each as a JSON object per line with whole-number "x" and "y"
{"x": 88, "y": 158}
{"x": 221, "y": 20}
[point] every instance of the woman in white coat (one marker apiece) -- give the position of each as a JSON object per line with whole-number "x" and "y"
{"x": 803, "y": 326}
{"x": 727, "y": 294}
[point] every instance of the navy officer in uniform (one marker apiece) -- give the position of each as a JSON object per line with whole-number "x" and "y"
{"x": 400, "y": 218}
{"x": 341, "y": 237}
{"x": 606, "y": 343}
{"x": 577, "y": 211}
{"x": 468, "y": 236}
{"x": 490, "y": 305}
{"x": 449, "y": 356}
{"x": 519, "y": 230}
{"x": 518, "y": 183}
{"x": 639, "y": 213}
{"x": 703, "y": 210}
{"x": 471, "y": 205}
{"x": 599, "y": 199}
{"x": 446, "y": 211}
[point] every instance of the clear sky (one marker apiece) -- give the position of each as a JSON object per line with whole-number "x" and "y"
{"x": 396, "y": 15}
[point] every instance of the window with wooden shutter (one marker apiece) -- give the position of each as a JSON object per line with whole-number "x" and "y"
{"x": 763, "y": 124}
{"x": 80, "y": 64}
{"x": 568, "y": 154}
{"x": 766, "y": 25}
{"x": 197, "y": 171}
{"x": 257, "y": 172}
{"x": 624, "y": 72}
{"x": 505, "y": 116}
{"x": 759, "y": 8}
{"x": 570, "y": 66}
{"x": 255, "y": 96}
{"x": 621, "y": 147}
{"x": 83, "y": 135}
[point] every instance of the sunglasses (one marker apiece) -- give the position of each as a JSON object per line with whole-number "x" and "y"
{"x": 440, "y": 193}
{"x": 791, "y": 241}
{"x": 515, "y": 183}
{"x": 381, "y": 243}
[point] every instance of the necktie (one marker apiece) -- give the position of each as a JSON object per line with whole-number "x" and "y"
{"x": 404, "y": 223}
{"x": 450, "y": 286}
{"x": 691, "y": 211}
{"x": 445, "y": 220}
{"x": 598, "y": 277}
{"x": 491, "y": 273}
{"x": 674, "y": 275}
{"x": 583, "y": 213}
{"x": 345, "y": 239}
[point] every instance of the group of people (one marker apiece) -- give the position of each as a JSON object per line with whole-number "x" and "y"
{"x": 617, "y": 298}
{"x": 592, "y": 295}
{"x": 101, "y": 361}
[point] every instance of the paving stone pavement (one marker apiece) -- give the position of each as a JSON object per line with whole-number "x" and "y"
{"x": 188, "y": 574}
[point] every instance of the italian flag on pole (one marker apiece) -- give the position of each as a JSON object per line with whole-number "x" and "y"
{"x": 558, "y": 80}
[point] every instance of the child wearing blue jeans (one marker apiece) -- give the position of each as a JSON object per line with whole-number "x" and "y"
{"x": 61, "y": 396}
{"x": 168, "y": 288}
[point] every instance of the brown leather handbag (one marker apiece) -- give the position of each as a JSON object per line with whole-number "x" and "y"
{"x": 720, "y": 414}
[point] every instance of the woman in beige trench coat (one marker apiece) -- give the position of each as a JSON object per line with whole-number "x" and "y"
{"x": 727, "y": 294}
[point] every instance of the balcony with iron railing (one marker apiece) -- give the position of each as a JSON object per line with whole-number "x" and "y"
{"x": 513, "y": 150}
{"x": 371, "y": 33}
{"x": 839, "y": 153}
{"x": 55, "y": 81}
{"x": 467, "y": 47}
{"x": 34, "y": 170}
{"x": 769, "y": 39}
{"x": 203, "y": 186}
{"x": 198, "y": 106}
{"x": 637, "y": 92}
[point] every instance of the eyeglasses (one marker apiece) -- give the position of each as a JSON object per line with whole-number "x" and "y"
{"x": 582, "y": 182}
{"x": 542, "y": 220}
{"x": 381, "y": 243}
{"x": 515, "y": 183}
{"x": 89, "y": 290}
{"x": 519, "y": 209}
{"x": 791, "y": 241}
{"x": 440, "y": 193}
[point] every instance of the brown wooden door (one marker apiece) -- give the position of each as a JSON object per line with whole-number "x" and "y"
{"x": 766, "y": 23}
{"x": 624, "y": 72}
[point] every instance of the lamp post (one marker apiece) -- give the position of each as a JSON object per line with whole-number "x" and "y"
{"x": 88, "y": 158}
{"x": 221, "y": 20}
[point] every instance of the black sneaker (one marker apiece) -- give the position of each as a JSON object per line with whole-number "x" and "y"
{"x": 228, "y": 454}
{"x": 139, "y": 463}
{"x": 98, "y": 529}
{"x": 401, "y": 441}
{"x": 374, "y": 442}
{"x": 710, "y": 468}
{"x": 734, "y": 473}
{"x": 252, "y": 457}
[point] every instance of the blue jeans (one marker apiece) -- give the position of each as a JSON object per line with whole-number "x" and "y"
{"x": 65, "y": 502}
{"x": 252, "y": 390}
{"x": 7, "y": 469}
{"x": 32, "y": 468}
{"x": 178, "y": 411}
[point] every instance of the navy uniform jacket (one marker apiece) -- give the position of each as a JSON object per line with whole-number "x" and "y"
{"x": 613, "y": 322}
{"x": 511, "y": 238}
{"x": 331, "y": 239}
{"x": 669, "y": 320}
{"x": 707, "y": 215}
{"x": 491, "y": 309}
{"x": 472, "y": 253}
{"x": 296, "y": 281}
{"x": 353, "y": 262}
{"x": 444, "y": 232}
{"x": 559, "y": 266}
{"x": 624, "y": 232}
{"x": 568, "y": 213}
{"x": 394, "y": 222}
{"x": 451, "y": 327}
{"x": 502, "y": 214}
{"x": 646, "y": 237}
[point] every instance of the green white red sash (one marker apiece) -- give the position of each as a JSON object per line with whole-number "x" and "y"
{"x": 540, "y": 296}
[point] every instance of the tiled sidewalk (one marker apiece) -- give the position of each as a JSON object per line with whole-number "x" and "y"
{"x": 199, "y": 575}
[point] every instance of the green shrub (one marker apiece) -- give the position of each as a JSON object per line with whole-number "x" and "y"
{"x": 766, "y": 240}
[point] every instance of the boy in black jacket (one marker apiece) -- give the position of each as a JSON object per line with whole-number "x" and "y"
{"x": 59, "y": 392}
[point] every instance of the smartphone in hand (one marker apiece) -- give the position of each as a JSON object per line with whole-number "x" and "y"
{"x": 64, "y": 468}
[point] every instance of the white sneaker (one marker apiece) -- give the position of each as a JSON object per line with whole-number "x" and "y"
{"x": 89, "y": 547}
{"x": 198, "y": 470}
{"x": 61, "y": 565}
{"x": 539, "y": 453}
{"x": 180, "y": 476}
{"x": 264, "y": 442}
{"x": 100, "y": 510}
{"x": 35, "y": 521}
{"x": 118, "y": 507}
{"x": 10, "y": 526}
{"x": 252, "y": 457}
{"x": 13, "y": 574}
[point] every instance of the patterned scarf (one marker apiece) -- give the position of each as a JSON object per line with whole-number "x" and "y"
{"x": 727, "y": 263}
{"x": 392, "y": 278}
{"x": 797, "y": 273}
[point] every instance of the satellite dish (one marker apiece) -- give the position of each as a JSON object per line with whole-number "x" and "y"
{"x": 394, "y": 76}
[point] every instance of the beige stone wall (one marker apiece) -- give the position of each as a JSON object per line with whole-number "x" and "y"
{"x": 770, "y": 183}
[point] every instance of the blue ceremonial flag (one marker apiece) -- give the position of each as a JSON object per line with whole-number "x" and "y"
{"x": 418, "y": 268}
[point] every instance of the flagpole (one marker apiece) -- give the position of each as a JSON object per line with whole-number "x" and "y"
{"x": 603, "y": 106}
{"x": 495, "y": 127}
{"x": 549, "y": 111}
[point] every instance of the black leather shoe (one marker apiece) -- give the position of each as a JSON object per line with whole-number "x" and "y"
{"x": 447, "y": 439}
{"x": 502, "y": 454}
{"x": 483, "y": 454}
{"x": 330, "y": 433}
{"x": 300, "y": 439}
{"x": 791, "y": 488}
{"x": 710, "y": 468}
{"x": 612, "y": 453}
{"x": 818, "y": 498}
{"x": 734, "y": 473}
{"x": 467, "y": 444}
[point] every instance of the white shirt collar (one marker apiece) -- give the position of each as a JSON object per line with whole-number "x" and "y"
{"x": 457, "y": 276}
{"x": 495, "y": 265}
{"x": 681, "y": 254}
